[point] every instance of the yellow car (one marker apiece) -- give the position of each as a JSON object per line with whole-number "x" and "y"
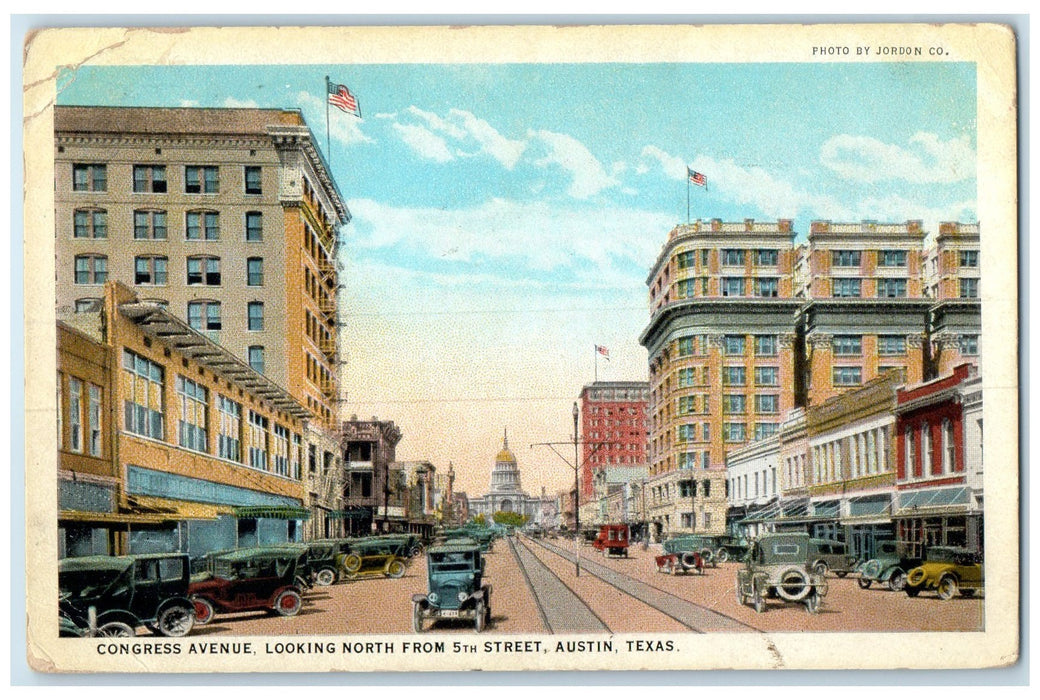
{"x": 948, "y": 571}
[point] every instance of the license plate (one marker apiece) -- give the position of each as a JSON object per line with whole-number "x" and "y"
{"x": 449, "y": 613}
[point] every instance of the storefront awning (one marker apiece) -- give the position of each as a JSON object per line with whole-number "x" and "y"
{"x": 173, "y": 509}
{"x": 276, "y": 512}
{"x": 83, "y": 516}
{"x": 349, "y": 514}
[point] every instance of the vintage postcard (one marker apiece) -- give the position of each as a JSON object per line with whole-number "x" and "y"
{"x": 521, "y": 348}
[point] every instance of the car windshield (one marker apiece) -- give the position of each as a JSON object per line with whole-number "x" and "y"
{"x": 451, "y": 561}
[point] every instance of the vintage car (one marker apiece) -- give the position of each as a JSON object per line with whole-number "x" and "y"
{"x": 321, "y": 566}
{"x": 109, "y": 596}
{"x": 253, "y": 578}
{"x": 373, "y": 556}
{"x": 409, "y": 545}
{"x": 612, "y": 540}
{"x": 831, "y": 555}
{"x": 888, "y": 565}
{"x": 948, "y": 571}
{"x": 680, "y": 556}
{"x": 457, "y": 589}
{"x": 778, "y": 566}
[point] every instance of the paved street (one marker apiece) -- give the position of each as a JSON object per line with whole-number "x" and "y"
{"x": 543, "y": 596}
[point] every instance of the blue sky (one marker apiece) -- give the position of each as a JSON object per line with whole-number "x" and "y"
{"x": 506, "y": 216}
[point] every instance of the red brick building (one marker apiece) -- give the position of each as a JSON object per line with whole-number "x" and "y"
{"x": 614, "y": 427}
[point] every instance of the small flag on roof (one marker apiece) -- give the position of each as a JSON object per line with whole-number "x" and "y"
{"x": 603, "y": 351}
{"x": 696, "y": 178}
{"x": 341, "y": 98}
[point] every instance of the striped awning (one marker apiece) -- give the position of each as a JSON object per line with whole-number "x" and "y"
{"x": 275, "y": 512}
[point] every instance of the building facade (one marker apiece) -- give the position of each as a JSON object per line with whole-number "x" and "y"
{"x": 168, "y": 442}
{"x": 369, "y": 447}
{"x": 229, "y": 218}
{"x": 506, "y": 493}
{"x": 614, "y": 426}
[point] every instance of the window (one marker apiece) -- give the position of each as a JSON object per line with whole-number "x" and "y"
{"x": 908, "y": 443}
{"x": 687, "y": 460}
{"x": 765, "y": 345}
{"x": 891, "y": 345}
{"x": 734, "y": 432}
{"x": 256, "y": 315}
{"x": 254, "y": 272}
{"x": 191, "y": 426}
{"x": 891, "y": 288}
{"x": 846, "y": 287}
{"x": 969, "y": 258}
{"x": 150, "y": 225}
{"x": 149, "y": 178}
{"x": 256, "y": 358}
{"x": 257, "y": 441}
{"x": 91, "y": 269}
{"x": 686, "y": 405}
{"x": 705, "y": 431}
{"x": 686, "y": 377}
{"x": 847, "y": 376}
{"x": 199, "y": 179}
{"x": 204, "y": 315}
{"x": 767, "y": 376}
{"x": 685, "y": 346}
{"x": 253, "y": 180}
{"x": 767, "y": 257}
{"x": 969, "y": 344}
{"x": 90, "y": 223}
{"x": 926, "y": 449}
{"x": 254, "y": 226}
{"x": 732, "y": 286}
{"x": 94, "y": 420}
{"x": 204, "y": 270}
{"x": 767, "y": 404}
{"x": 88, "y": 305}
{"x": 734, "y": 404}
{"x": 229, "y": 440}
{"x": 686, "y": 288}
{"x": 734, "y": 376}
{"x": 969, "y": 288}
{"x": 766, "y": 287}
{"x": 150, "y": 269}
{"x": 75, "y": 415}
{"x": 732, "y": 257}
{"x": 733, "y": 344}
{"x": 280, "y": 450}
{"x": 704, "y": 257}
{"x": 89, "y": 177}
{"x": 845, "y": 258}
{"x": 765, "y": 430}
{"x": 202, "y": 225}
{"x": 892, "y": 258}
{"x": 143, "y": 409}
{"x": 949, "y": 455}
{"x": 685, "y": 432}
{"x": 847, "y": 345}
{"x": 685, "y": 259}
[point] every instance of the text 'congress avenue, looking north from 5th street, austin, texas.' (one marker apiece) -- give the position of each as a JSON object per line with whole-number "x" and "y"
{"x": 368, "y": 349}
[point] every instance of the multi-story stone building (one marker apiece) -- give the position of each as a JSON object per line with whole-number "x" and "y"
{"x": 953, "y": 283}
{"x": 614, "y": 426}
{"x": 227, "y": 217}
{"x": 506, "y": 493}
{"x": 721, "y": 345}
{"x": 167, "y": 441}
{"x": 369, "y": 448}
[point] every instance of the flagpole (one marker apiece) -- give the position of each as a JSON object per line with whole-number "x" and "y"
{"x": 595, "y": 363}
{"x": 687, "y": 195}
{"x": 328, "y": 135}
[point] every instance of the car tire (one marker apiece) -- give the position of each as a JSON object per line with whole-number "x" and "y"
{"x": 395, "y": 569}
{"x": 175, "y": 621}
{"x": 812, "y": 603}
{"x": 204, "y": 611}
{"x": 669, "y": 567}
{"x": 911, "y": 591}
{"x": 947, "y": 587}
{"x": 793, "y": 584}
{"x": 722, "y": 556}
{"x": 897, "y": 581}
{"x": 417, "y": 618}
{"x": 916, "y": 577}
{"x": 864, "y": 583}
{"x": 689, "y": 560}
{"x": 116, "y": 628}
{"x": 288, "y": 603}
{"x": 708, "y": 556}
{"x": 758, "y": 601}
{"x": 741, "y": 598}
{"x": 479, "y": 617}
{"x": 352, "y": 563}
{"x": 325, "y": 577}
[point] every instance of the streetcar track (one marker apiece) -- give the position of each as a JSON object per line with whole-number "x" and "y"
{"x": 560, "y": 584}
{"x": 630, "y": 583}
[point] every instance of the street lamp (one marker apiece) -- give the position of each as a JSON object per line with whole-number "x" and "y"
{"x": 577, "y": 526}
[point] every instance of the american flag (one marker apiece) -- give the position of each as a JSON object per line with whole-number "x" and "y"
{"x": 603, "y": 351}
{"x": 696, "y": 178}
{"x": 339, "y": 96}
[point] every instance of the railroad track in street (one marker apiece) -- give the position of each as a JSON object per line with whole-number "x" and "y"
{"x": 561, "y": 609}
{"x": 697, "y": 618}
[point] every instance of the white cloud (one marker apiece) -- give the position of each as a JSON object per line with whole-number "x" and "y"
{"x": 344, "y": 128}
{"x": 457, "y": 131}
{"x": 925, "y": 159}
{"x": 424, "y": 142}
{"x": 673, "y": 166}
{"x": 588, "y": 177}
{"x": 505, "y": 151}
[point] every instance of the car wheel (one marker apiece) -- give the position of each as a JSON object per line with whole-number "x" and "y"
{"x": 947, "y": 587}
{"x": 175, "y": 621}
{"x": 325, "y": 577}
{"x": 897, "y": 581}
{"x": 352, "y": 563}
{"x": 479, "y": 617}
{"x": 864, "y": 583}
{"x": 911, "y": 591}
{"x": 812, "y": 603}
{"x": 708, "y": 556}
{"x": 116, "y": 628}
{"x": 668, "y": 568}
{"x": 395, "y": 569}
{"x": 417, "y": 618}
{"x": 916, "y": 577}
{"x": 793, "y": 584}
{"x": 204, "y": 611}
{"x": 288, "y": 603}
{"x": 741, "y": 598}
{"x": 820, "y": 568}
{"x": 722, "y": 556}
{"x": 689, "y": 560}
{"x": 758, "y": 601}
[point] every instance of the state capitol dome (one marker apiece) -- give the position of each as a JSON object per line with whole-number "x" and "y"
{"x": 505, "y": 477}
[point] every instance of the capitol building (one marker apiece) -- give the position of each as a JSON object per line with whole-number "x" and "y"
{"x": 506, "y": 494}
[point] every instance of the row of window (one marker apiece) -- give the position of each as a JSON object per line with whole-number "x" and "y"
{"x": 764, "y": 287}
{"x": 863, "y": 454}
{"x": 697, "y": 345}
{"x": 153, "y": 225}
{"x": 922, "y": 457}
{"x": 81, "y": 418}
{"x": 153, "y": 270}
{"x": 761, "y": 484}
{"x": 729, "y": 257}
{"x": 150, "y": 178}
{"x": 144, "y": 414}
{"x": 731, "y": 376}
